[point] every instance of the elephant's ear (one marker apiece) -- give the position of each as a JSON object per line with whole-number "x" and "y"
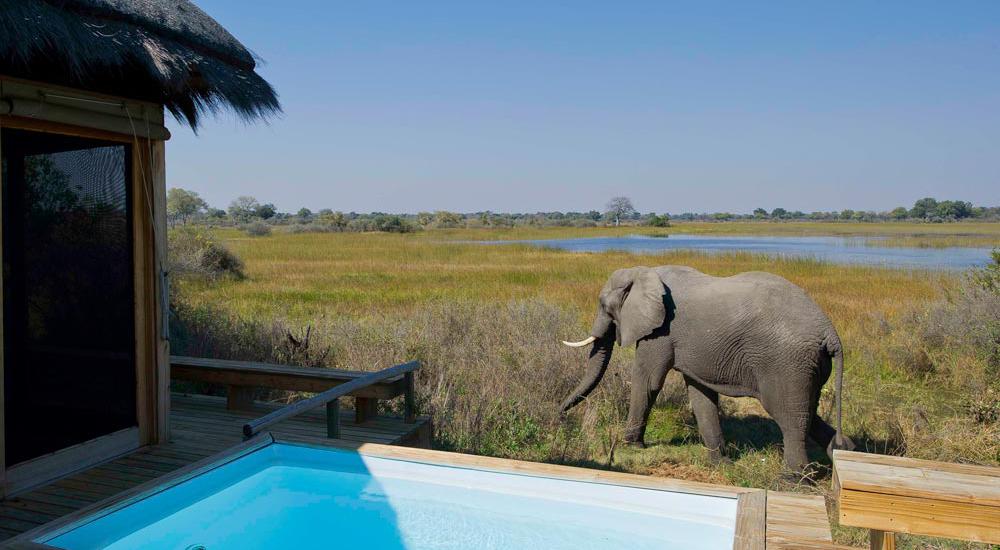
{"x": 643, "y": 310}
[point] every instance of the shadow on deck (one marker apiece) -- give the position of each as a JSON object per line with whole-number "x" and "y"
{"x": 201, "y": 426}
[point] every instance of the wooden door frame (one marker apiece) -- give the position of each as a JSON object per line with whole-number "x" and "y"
{"x": 148, "y": 192}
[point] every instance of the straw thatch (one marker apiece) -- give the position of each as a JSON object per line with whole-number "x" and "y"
{"x": 165, "y": 51}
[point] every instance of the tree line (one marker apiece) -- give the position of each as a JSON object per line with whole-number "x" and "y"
{"x": 184, "y": 206}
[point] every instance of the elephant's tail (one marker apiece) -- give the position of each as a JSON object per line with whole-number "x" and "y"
{"x": 836, "y": 351}
{"x": 838, "y": 363}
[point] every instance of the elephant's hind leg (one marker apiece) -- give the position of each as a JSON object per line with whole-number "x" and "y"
{"x": 820, "y": 432}
{"x": 705, "y": 403}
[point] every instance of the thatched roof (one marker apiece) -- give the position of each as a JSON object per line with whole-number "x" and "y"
{"x": 165, "y": 51}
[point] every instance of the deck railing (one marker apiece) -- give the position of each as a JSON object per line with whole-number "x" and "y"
{"x": 331, "y": 399}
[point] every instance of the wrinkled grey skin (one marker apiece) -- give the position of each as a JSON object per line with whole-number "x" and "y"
{"x": 754, "y": 334}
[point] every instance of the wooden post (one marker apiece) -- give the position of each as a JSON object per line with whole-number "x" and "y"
{"x": 333, "y": 419}
{"x": 365, "y": 409}
{"x": 409, "y": 415}
{"x": 239, "y": 398}
{"x": 882, "y": 540}
{"x": 3, "y": 444}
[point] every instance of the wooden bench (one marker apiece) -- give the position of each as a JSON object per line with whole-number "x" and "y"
{"x": 242, "y": 377}
{"x": 889, "y": 495}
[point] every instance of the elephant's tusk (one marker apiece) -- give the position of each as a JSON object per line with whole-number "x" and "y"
{"x": 581, "y": 343}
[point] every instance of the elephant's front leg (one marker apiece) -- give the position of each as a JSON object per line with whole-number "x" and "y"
{"x": 654, "y": 356}
{"x": 705, "y": 404}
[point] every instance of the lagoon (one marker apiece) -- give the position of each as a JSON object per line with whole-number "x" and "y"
{"x": 841, "y": 250}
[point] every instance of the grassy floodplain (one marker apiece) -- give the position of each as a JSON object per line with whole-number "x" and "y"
{"x": 911, "y": 387}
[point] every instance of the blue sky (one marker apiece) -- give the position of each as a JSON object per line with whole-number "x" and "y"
{"x": 527, "y": 106}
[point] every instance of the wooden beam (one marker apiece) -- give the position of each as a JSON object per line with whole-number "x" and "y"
{"x": 751, "y": 521}
{"x": 254, "y": 427}
{"x": 902, "y": 495}
{"x": 333, "y": 419}
{"x": 365, "y": 409}
{"x": 881, "y": 540}
{"x": 919, "y": 516}
{"x": 239, "y": 398}
{"x": 3, "y": 431}
{"x": 281, "y": 377}
{"x": 409, "y": 395}
{"x": 144, "y": 281}
{"x": 161, "y": 299}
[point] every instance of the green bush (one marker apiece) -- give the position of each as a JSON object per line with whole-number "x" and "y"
{"x": 193, "y": 252}
{"x": 257, "y": 229}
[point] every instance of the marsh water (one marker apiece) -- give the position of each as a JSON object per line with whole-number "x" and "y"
{"x": 856, "y": 250}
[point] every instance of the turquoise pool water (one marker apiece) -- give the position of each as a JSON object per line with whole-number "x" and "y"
{"x": 285, "y": 496}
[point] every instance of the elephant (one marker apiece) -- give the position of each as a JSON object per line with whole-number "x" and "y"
{"x": 754, "y": 334}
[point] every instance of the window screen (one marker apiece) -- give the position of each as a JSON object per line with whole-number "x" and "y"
{"x": 69, "y": 332}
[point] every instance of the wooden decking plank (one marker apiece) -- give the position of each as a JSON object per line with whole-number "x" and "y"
{"x": 28, "y": 500}
{"x": 82, "y": 491}
{"x": 234, "y": 429}
{"x": 796, "y": 519}
{"x": 350, "y": 433}
{"x": 53, "y": 510}
{"x": 209, "y": 408}
{"x": 890, "y": 477}
{"x": 27, "y": 515}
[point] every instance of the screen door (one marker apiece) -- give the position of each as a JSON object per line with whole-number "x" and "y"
{"x": 68, "y": 324}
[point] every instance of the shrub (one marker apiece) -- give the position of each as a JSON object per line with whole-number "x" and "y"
{"x": 257, "y": 229}
{"x": 493, "y": 375}
{"x": 192, "y": 252}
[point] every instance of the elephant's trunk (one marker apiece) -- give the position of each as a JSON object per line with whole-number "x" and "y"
{"x": 600, "y": 356}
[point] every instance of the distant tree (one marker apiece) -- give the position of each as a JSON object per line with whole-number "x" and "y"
{"x": 484, "y": 219}
{"x": 722, "y": 216}
{"x": 924, "y": 208}
{"x": 304, "y": 213}
{"x": 266, "y": 211}
{"x": 243, "y": 209}
{"x": 618, "y": 208}
{"x": 443, "y": 218}
{"x": 336, "y": 220}
{"x": 215, "y": 213}
{"x": 846, "y": 214}
{"x": 779, "y": 213}
{"x": 392, "y": 224}
{"x": 899, "y": 213}
{"x": 182, "y": 204}
{"x": 953, "y": 209}
{"x": 760, "y": 214}
{"x": 658, "y": 221}
{"x": 425, "y": 218}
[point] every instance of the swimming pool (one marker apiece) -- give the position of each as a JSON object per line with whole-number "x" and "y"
{"x": 291, "y": 495}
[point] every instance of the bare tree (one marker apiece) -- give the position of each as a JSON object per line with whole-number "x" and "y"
{"x": 619, "y": 207}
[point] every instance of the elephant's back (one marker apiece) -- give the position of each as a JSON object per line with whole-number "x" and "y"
{"x": 757, "y": 298}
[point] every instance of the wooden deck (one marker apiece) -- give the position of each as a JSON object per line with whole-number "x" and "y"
{"x": 201, "y": 426}
{"x": 889, "y": 494}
